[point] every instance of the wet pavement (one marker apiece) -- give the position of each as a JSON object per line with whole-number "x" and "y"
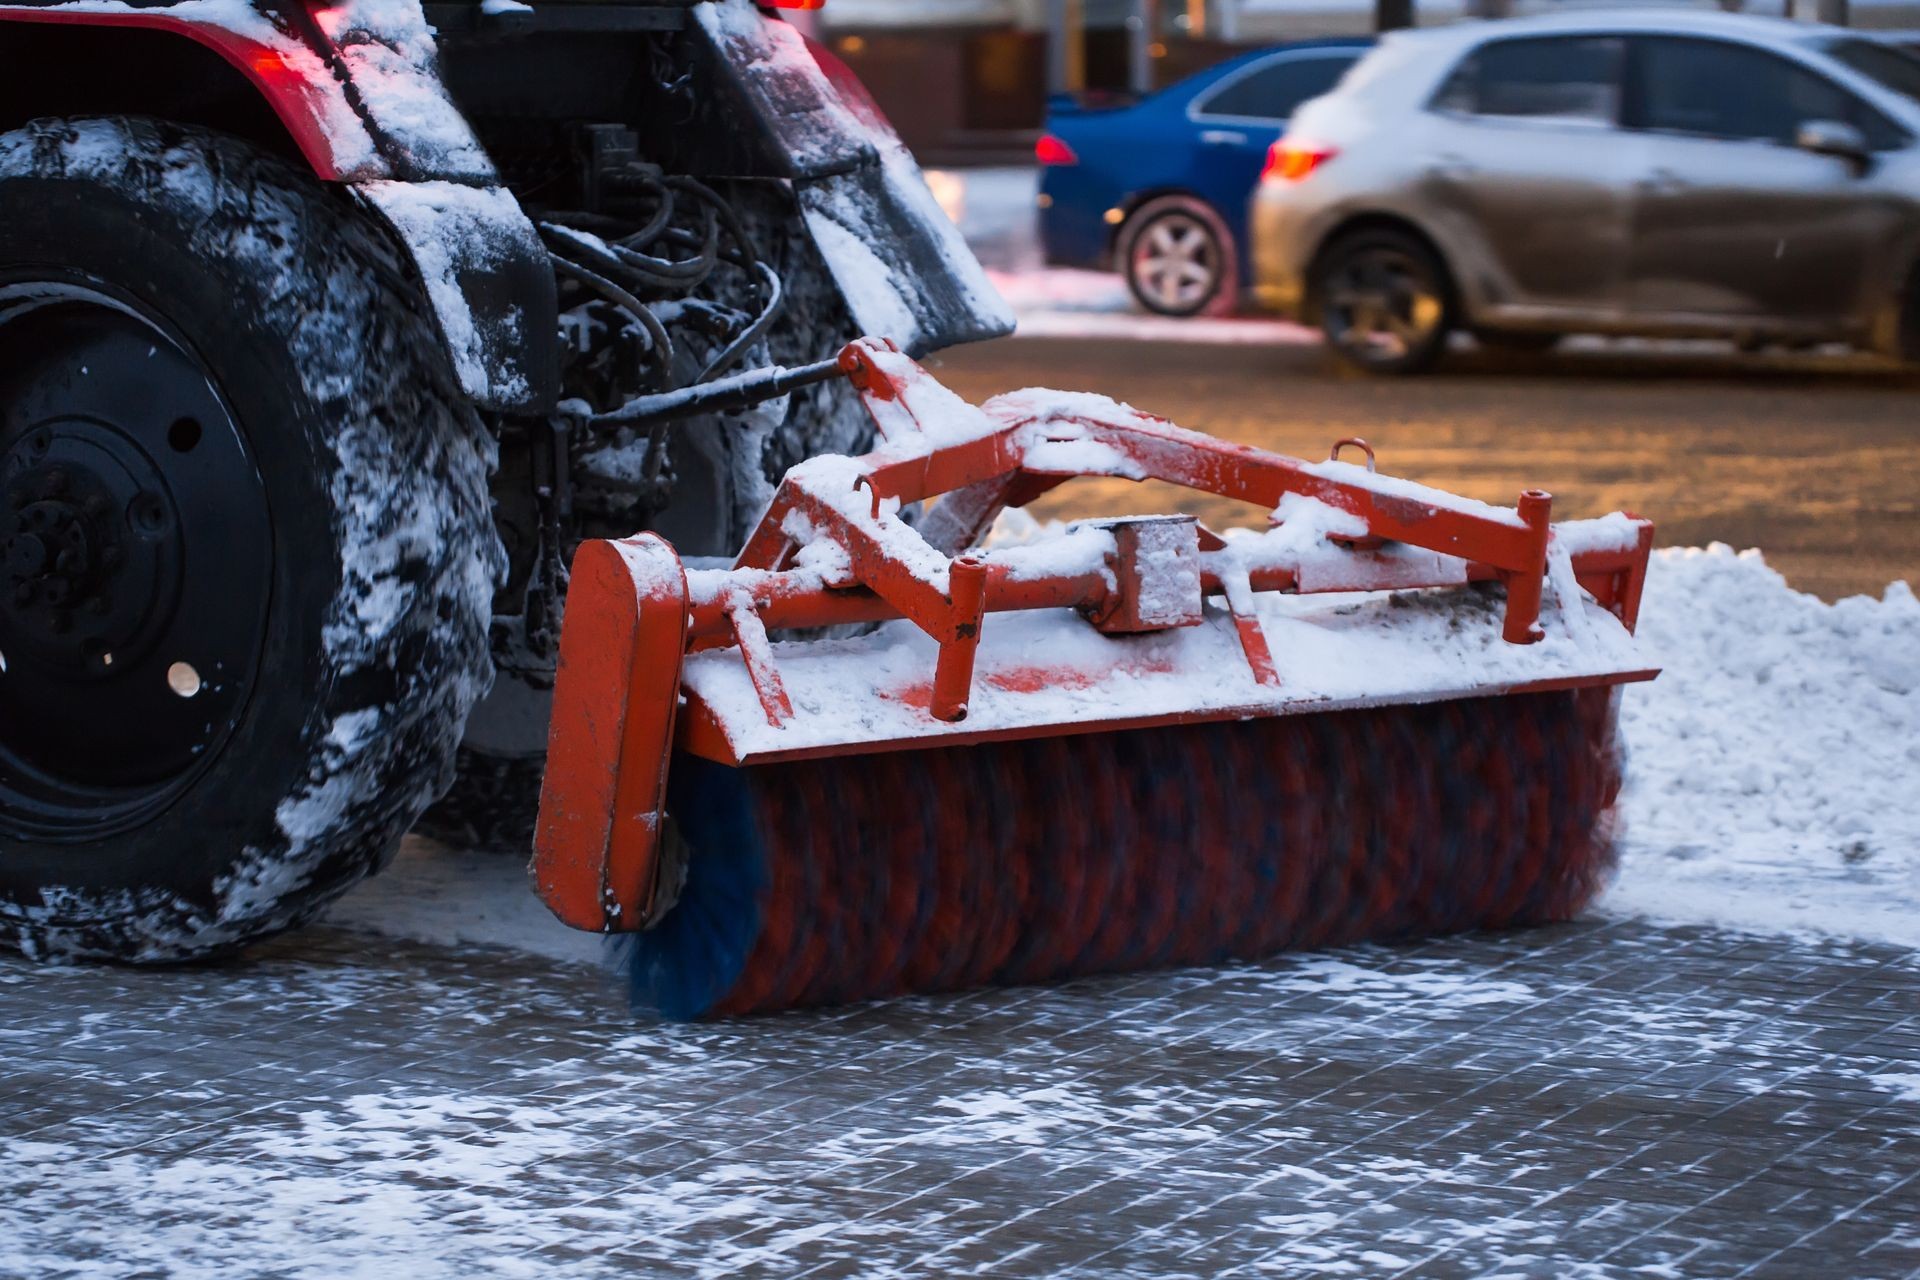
{"x": 1603, "y": 1099}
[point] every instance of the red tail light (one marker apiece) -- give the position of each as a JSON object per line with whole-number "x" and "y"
{"x": 1290, "y": 161}
{"x": 1050, "y": 150}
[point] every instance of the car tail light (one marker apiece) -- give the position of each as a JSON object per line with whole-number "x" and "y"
{"x": 795, "y": 4}
{"x": 1290, "y": 161}
{"x": 1050, "y": 150}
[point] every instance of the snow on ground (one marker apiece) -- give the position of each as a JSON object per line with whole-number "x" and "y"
{"x": 1063, "y": 303}
{"x": 1593, "y": 1103}
{"x": 445, "y": 896}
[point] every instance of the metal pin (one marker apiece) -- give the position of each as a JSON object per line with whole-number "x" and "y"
{"x": 183, "y": 679}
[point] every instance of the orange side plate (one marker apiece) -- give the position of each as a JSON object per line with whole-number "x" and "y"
{"x": 615, "y": 698}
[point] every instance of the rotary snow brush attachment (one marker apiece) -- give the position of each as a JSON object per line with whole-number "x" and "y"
{"x": 1123, "y": 744}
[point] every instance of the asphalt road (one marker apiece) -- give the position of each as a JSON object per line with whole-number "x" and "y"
{"x": 1809, "y": 457}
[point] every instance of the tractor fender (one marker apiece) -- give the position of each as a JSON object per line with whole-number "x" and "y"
{"x": 292, "y": 78}
{"x": 489, "y": 282}
{"x": 791, "y": 105}
{"x": 356, "y": 85}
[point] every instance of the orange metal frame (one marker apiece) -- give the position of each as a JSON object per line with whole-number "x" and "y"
{"x": 633, "y": 614}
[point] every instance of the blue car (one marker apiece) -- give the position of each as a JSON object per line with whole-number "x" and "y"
{"x": 1158, "y": 190}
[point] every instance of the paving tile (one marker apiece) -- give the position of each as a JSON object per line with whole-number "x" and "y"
{"x": 1595, "y": 1100}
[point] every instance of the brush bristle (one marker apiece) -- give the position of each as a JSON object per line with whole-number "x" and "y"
{"x": 827, "y": 881}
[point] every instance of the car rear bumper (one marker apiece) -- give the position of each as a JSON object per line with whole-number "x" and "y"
{"x": 1069, "y": 241}
{"x": 1283, "y": 230}
{"x": 1073, "y": 230}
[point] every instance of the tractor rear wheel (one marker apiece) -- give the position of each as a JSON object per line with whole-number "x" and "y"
{"x": 246, "y": 548}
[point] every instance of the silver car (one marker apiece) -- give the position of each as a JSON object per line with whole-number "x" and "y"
{"x": 1654, "y": 173}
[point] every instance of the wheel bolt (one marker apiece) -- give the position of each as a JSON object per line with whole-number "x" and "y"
{"x": 147, "y": 514}
{"x": 56, "y": 484}
{"x": 26, "y": 554}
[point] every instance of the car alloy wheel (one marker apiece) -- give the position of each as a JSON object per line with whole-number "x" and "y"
{"x": 1383, "y": 305}
{"x": 1176, "y": 264}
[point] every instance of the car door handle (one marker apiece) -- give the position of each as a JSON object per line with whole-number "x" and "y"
{"x": 1661, "y": 181}
{"x": 1451, "y": 166}
{"x": 1223, "y": 137}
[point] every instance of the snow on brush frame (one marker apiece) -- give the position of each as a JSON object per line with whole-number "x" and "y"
{"x": 1331, "y": 652}
{"x": 1037, "y": 670}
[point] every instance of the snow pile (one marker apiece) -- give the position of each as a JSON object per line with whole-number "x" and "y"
{"x": 1063, "y": 290}
{"x": 1774, "y": 766}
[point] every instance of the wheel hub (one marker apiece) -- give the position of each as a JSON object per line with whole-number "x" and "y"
{"x": 1380, "y": 304}
{"x": 135, "y": 558}
{"x": 84, "y": 535}
{"x": 1174, "y": 261}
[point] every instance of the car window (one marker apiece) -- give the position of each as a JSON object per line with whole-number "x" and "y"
{"x": 1272, "y": 91}
{"x": 1557, "y": 78}
{"x": 1725, "y": 90}
{"x": 1893, "y": 68}
{"x": 1393, "y": 55}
